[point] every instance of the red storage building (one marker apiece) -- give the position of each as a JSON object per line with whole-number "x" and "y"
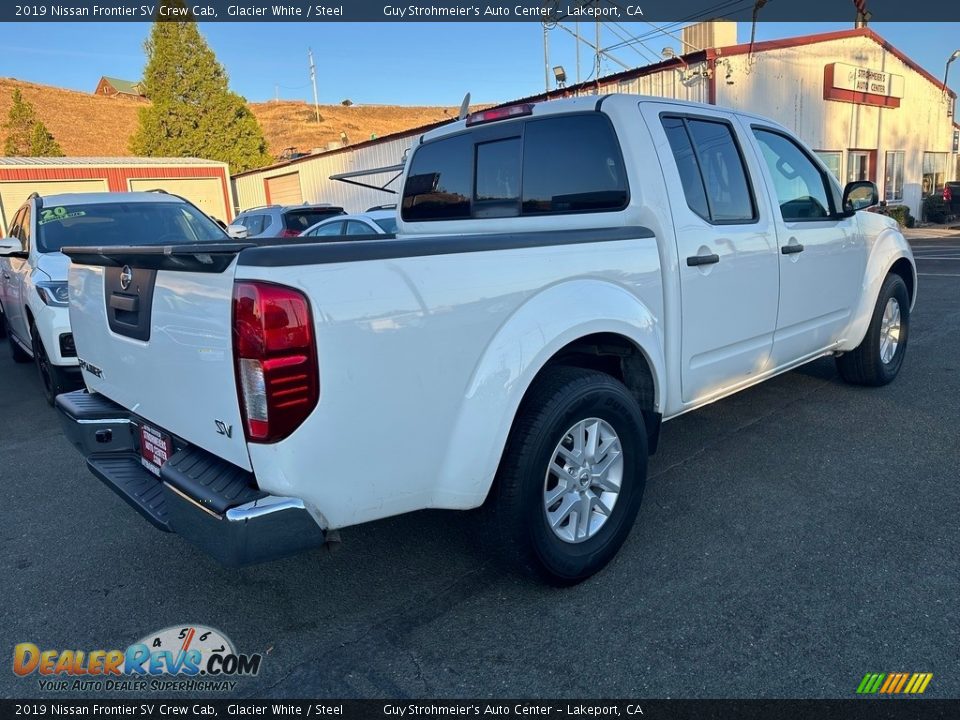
{"x": 205, "y": 183}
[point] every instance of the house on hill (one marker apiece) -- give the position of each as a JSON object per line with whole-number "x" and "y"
{"x": 112, "y": 87}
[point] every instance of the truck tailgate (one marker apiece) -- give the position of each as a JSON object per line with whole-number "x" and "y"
{"x": 153, "y": 333}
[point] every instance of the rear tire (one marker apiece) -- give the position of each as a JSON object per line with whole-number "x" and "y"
{"x": 55, "y": 379}
{"x": 18, "y": 354}
{"x": 877, "y": 360}
{"x": 572, "y": 475}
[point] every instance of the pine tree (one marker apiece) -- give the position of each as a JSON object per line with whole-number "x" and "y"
{"x": 193, "y": 113}
{"x": 26, "y": 135}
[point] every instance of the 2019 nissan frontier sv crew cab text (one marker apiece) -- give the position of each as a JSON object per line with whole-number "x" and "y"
{"x": 566, "y": 276}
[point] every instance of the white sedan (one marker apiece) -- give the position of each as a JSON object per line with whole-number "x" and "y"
{"x": 372, "y": 222}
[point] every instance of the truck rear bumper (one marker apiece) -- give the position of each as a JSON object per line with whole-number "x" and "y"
{"x": 211, "y": 503}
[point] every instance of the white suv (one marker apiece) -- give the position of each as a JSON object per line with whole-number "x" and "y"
{"x": 34, "y": 302}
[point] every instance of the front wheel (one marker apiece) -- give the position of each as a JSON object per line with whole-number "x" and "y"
{"x": 877, "y": 360}
{"x": 55, "y": 379}
{"x": 572, "y": 475}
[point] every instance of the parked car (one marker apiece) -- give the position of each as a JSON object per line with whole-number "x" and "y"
{"x": 372, "y": 222}
{"x": 566, "y": 276}
{"x": 34, "y": 299}
{"x": 272, "y": 221}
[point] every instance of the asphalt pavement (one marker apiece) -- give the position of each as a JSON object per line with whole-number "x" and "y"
{"x": 792, "y": 538}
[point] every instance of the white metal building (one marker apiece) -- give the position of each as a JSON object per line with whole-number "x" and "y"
{"x": 867, "y": 109}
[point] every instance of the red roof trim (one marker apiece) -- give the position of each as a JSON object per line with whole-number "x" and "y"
{"x": 803, "y": 40}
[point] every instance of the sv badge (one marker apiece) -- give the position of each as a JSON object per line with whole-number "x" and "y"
{"x": 223, "y": 428}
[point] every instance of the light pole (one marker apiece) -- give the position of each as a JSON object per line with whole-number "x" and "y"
{"x": 946, "y": 71}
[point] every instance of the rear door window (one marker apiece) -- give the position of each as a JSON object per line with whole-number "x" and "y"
{"x": 327, "y": 229}
{"x": 712, "y": 172}
{"x": 355, "y": 227}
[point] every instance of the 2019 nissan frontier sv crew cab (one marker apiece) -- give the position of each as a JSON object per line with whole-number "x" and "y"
{"x": 566, "y": 276}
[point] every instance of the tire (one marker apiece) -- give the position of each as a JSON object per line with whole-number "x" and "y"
{"x": 18, "y": 354}
{"x": 55, "y": 379}
{"x": 562, "y": 403}
{"x": 877, "y": 360}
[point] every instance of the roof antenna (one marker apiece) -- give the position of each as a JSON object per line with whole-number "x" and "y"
{"x": 464, "y": 107}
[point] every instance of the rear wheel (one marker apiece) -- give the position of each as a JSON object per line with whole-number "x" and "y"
{"x": 572, "y": 475}
{"x": 877, "y": 360}
{"x": 18, "y": 354}
{"x": 56, "y": 380}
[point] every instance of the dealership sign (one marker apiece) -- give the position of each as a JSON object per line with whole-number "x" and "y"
{"x": 867, "y": 86}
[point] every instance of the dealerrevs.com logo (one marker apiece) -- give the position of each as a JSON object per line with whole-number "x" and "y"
{"x": 181, "y": 657}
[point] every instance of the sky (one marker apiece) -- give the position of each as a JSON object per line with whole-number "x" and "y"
{"x": 387, "y": 63}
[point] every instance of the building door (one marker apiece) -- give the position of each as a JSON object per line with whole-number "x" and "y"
{"x": 822, "y": 254}
{"x": 284, "y": 190}
{"x": 727, "y": 250}
{"x": 858, "y": 165}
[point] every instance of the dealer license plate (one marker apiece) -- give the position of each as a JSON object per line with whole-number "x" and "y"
{"x": 155, "y": 448}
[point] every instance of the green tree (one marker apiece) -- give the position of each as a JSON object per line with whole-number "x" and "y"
{"x": 26, "y": 135}
{"x": 193, "y": 113}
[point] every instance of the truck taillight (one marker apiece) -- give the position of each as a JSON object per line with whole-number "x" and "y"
{"x": 947, "y": 194}
{"x": 275, "y": 356}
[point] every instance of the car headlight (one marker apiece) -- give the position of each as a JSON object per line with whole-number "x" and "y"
{"x": 54, "y": 293}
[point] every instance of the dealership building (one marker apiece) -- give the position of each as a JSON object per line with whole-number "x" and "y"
{"x": 869, "y": 111}
{"x": 203, "y": 182}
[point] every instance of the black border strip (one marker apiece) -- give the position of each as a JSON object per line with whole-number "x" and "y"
{"x": 359, "y": 251}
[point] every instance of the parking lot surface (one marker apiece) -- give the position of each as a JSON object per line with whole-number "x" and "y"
{"x": 793, "y": 537}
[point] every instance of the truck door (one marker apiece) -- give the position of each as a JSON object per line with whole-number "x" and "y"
{"x": 726, "y": 245}
{"x": 822, "y": 255}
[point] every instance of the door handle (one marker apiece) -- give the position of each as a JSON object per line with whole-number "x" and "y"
{"x": 791, "y": 249}
{"x": 697, "y": 260}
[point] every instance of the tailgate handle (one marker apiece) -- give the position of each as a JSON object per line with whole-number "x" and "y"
{"x": 124, "y": 303}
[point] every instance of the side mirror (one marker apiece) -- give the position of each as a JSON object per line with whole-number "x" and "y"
{"x": 859, "y": 195}
{"x": 237, "y": 232}
{"x": 11, "y": 247}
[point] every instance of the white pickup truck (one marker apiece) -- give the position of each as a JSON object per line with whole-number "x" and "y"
{"x": 566, "y": 276}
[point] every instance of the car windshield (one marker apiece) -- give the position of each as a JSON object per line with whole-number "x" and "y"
{"x": 389, "y": 225}
{"x": 124, "y": 223}
{"x": 300, "y": 220}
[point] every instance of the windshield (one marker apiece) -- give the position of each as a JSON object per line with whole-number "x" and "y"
{"x": 389, "y": 225}
{"x": 124, "y": 223}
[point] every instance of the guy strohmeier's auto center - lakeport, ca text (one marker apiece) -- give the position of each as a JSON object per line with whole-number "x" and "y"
{"x": 306, "y": 10}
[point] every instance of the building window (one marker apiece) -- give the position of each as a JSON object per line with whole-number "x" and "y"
{"x": 858, "y": 165}
{"x": 893, "y": 177}
{"x": 832, "y": 159}
{"x": 934, "y": 172}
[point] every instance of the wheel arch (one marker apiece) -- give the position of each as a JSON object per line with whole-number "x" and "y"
{"x": 890, "y": 253}
{"x": 584, "y": 323}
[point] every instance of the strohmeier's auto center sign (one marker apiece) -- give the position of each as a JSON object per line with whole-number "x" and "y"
{"x": 850, "y": 83}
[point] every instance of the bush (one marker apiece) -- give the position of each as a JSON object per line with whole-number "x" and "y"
{"x": 935, "y": 209}
{"x": 900, "y": 213}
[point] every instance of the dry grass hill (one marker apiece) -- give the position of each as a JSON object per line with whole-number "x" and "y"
{"x": 86, "y": 124}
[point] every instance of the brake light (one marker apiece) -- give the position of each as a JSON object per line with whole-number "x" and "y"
{"x": 485, "y": 116}
{"x": 947, "y": 194}
{"x": 275, "y": 356}
{"x": 286, "y": 232}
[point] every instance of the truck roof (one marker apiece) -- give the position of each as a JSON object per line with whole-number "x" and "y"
{"x": 593, "y": 102}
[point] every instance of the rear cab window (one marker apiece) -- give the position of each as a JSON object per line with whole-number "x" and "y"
{"x": 300, "y": 220}
{"x": 519, "y": 168}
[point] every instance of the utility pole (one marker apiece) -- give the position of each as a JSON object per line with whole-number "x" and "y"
{"x": 546, "y": 60}
{"x": 576, "y": 26}
{"x": 313, "y": 79}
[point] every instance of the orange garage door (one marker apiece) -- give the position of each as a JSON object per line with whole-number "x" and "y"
{"x": 284, "y": 190}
